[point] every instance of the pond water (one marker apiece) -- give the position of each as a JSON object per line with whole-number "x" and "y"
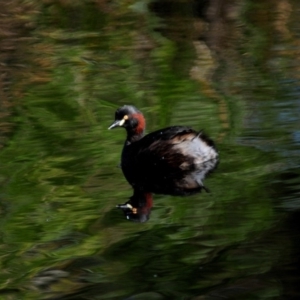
{"x": 228, "y": 67}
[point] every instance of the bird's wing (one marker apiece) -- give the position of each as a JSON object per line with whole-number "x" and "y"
{"x": 162, "y": 147}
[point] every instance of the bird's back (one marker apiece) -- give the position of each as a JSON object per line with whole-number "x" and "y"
{"x": 171, "y": 161}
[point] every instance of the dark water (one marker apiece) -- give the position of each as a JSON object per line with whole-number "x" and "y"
{"x": 229, "y": 68}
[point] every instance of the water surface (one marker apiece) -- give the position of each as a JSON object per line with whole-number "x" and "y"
{"x": 230, "y": 69}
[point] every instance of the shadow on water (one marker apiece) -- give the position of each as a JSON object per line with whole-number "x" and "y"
{"x": 228, "y": 67}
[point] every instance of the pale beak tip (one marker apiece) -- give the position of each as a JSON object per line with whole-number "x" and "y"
{"x": 113, "y": 125}
{"x": 116, "y": 123}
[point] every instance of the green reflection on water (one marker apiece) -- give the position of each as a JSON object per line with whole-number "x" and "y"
{"x": 61, "y": 233}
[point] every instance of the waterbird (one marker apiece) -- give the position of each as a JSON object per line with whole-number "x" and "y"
{"x": 171, "y": 161}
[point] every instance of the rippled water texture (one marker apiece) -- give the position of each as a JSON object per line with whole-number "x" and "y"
{"x": 228, "y": 67}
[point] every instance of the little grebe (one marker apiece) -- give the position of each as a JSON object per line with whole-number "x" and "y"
{"x": 171, "y": 161}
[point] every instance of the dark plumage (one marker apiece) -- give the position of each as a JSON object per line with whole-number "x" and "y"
{"x": 172, "y": 161}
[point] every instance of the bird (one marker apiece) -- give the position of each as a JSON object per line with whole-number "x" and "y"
{"x": 171, "y": 161}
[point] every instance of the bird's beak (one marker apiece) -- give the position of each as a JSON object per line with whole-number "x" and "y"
{"x": 117, "y": 123}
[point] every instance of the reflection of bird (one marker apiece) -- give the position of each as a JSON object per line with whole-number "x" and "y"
{"x": 171, "y": 161}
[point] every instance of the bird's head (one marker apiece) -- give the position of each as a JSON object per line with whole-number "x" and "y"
{"x": 130, "y": 118}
